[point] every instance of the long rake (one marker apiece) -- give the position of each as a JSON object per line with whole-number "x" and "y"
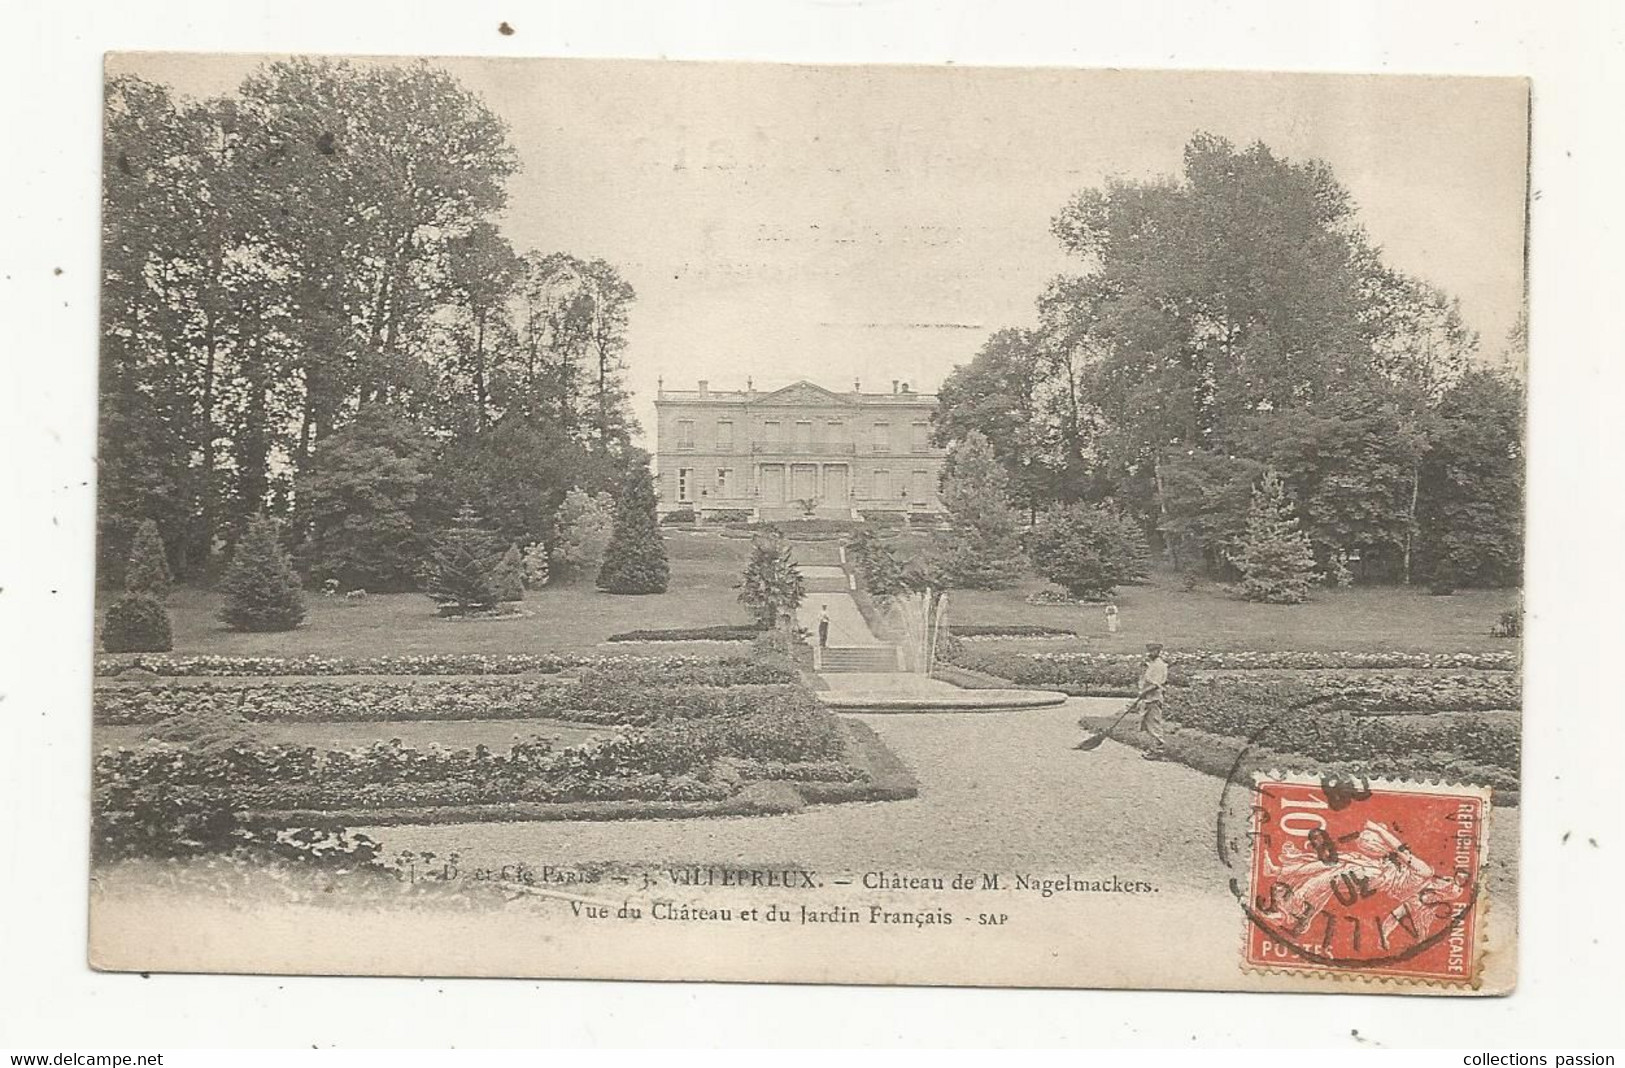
{"x": 1094, "y": 741}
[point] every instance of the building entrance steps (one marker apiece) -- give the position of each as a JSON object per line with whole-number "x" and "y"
{"x": 847, "y": 628}
{"x": 864, "y": 673}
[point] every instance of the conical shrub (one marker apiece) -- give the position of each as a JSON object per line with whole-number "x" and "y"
{"x": 136, "y": 623}
{"x": 148, "y": 569}
{"x": 508, "y": 577}
{"x": 635, "y": 561}
{"x": 462, "y": 578}
{"x": 262, "y": 590}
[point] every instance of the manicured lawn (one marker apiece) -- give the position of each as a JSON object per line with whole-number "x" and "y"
{"x": 498, "y": 734}
{"x": 1357, "y": 619}
{"x": 705, "y": 571}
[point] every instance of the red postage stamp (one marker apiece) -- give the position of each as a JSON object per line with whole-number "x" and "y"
{"x": 1370, "y": 878}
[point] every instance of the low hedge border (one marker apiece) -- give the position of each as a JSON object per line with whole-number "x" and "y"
{"x": 880, "y": 776}
{"x": 727, "y": 632}
{"x": 1008, "y": 630}
{"x": 888, "y": 778}
{"x": 970, "y": 679}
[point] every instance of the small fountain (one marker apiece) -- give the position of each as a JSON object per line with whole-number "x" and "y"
{"x": 922, "y": 619}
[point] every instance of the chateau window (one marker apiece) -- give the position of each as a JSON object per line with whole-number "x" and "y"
{"x": 882, "y": 439}
{"x": 922, "y": 437}
{"x": 685, "y": 484}
{"x": 685, "y": 433}
{"x": 724, "y": 476}
{"x": 725, "y": 435}
{"x": 804, "y": 431}
{"x": 922, "y": 486}
{"x": 772, "y": 431}
{"x": 882, "y": 485}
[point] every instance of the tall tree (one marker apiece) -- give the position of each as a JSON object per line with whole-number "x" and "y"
{"x": 484, "y": 271}
{"x": 982, "y": 549}
{"x": 366, "y": 526}
{"x": 375, "y": 169}
{"x": 997, "y": 395}
{"x": 1470, "y": 528}
{"x": 573, "y": 337}
{"x": 170, "y": 305}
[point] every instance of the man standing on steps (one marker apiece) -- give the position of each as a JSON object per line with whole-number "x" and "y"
{"x": 823, "y": 627}
{"x": 1153, "y": 679}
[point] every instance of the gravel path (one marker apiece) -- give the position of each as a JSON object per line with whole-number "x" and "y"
{"x": 999, "y": 791}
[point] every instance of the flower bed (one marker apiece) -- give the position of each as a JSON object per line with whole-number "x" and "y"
{"x": 1114, "y": 674}
{"x": 1297, "y": 716}
{"x": 677, "y": 668}
{"x": 1291, "y": 660}
{"x": 1375, "y": 693}
{"x": 693, "y": 745}
{"x": 607, "y": 701}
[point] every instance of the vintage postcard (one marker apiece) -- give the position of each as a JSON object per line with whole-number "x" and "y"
{"x": 857, "y": 524}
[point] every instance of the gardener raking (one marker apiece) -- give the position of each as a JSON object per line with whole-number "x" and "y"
{"x": 1153, "y": 679}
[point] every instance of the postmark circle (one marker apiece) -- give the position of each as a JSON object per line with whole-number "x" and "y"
{"x": 1335, "y": 870}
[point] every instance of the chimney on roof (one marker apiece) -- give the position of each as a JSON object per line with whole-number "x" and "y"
{"x": 857, "y": 387}
{"x": 905, "y": 387}
{"x": 750, "y": 384}
{"x": 894, "y": 385}
{"x": 705, "y": 389}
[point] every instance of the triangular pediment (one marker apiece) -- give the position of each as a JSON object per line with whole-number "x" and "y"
{"x": 803, "y": 392}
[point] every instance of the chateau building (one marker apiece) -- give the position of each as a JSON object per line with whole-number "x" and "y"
{"x": 796, "y": 451}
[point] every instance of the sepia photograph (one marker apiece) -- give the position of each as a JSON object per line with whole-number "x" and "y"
{"x": 898, "y": 525}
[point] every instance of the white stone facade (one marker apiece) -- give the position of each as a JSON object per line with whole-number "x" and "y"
{"x": 795, "y": 451}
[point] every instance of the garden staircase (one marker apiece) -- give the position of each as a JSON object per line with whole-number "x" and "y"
{"x": 869, "y": 659}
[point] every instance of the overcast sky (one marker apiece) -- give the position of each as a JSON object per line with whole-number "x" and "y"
{"x": 833, "y": 223}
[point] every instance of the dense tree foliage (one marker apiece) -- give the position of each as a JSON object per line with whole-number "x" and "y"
{"x": 1088, "y": 549}
{"x": 321, "y": 242}
{"x": 882, "y": 572}
{"x": 1471, "y": 519}
{"x": 585, "y": 523}
{"x": 1237, "y": 317}
{"x": 365, "y": 520}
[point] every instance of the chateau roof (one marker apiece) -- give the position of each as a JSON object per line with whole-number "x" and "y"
{"x": 798, "y": 392}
